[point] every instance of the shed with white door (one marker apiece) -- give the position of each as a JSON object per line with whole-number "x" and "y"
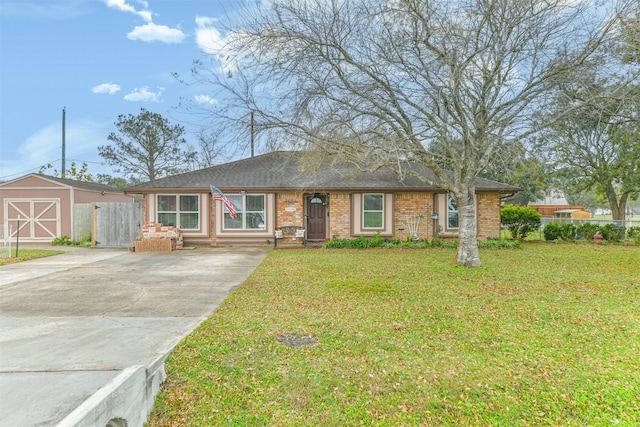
{"x": 43, "y": 205}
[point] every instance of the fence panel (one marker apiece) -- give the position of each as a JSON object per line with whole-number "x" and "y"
{"x": 82, "y": 221}
{"x": 118, "y": 224}
{"x": 114, "y": 224}
{"x": 5, "y": 240}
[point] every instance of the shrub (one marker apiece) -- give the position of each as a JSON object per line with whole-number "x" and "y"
{"x": 587, "y": 231}
{"x": 612, "y": 232}
{"x": 62, "y": 241}
{"x": 551, "y": 231}
{"x": 377, "y": 241}
{"x": 66, "y": 241}
{"x": 519, "y": 220}
{"x": 499, "y": 244}
{"x": 568, "y": 232}
{"x": 633, "y": 233}
{"x": 357, "y": 243}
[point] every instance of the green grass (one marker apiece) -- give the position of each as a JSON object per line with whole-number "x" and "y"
{"x": 28, "y": 254}
{"x": 545, "y": 335}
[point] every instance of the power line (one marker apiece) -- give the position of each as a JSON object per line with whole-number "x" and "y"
{"x": 36, "y": 169}
{"x": 3, "y": 178}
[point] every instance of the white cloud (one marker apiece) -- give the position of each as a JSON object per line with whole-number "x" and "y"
{"x": 205, "y": 99}
{"x": 152, "y": 32}
{"x": 209, "y": 39}
{"x": 143, "y": 94}
{"x": 126, "y": 7}
{"x": 108, "y": 88}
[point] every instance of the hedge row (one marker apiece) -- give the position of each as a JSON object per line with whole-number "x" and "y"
{"x": 589, "y": 231}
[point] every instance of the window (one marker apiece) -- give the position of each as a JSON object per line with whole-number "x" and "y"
{"x": 453, "y": 216}
{"x": 179, "y": 211}
{"x": 250, "y": 212}
{"x": 373, "y": 210}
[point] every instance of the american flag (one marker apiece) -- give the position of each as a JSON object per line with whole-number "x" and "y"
{"x": 217, "y": 195}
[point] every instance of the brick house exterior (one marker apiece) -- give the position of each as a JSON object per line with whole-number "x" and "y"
{"x": 279, "y": 194}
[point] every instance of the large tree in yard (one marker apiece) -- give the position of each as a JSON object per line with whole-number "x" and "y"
{"x": 593, "y": 135}
{"x": 147, "y": 147}
{"x": 384, "y": 83}
{"x": 597, "y": 145}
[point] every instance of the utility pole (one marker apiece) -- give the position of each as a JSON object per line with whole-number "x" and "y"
{"x": 252, "y": 133}
{"x": 64, "y": 111}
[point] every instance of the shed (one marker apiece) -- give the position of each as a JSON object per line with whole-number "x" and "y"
{"x": 572, "y": 213}
{"x": 44, "y": 204}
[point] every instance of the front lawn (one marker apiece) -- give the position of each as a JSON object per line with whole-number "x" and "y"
{"x": 27, "y": 255}
{"x": 545, "y": 335}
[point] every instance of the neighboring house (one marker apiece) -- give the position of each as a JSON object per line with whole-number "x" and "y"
{"x": 44, "y": 204}
{"x": 285, "y": 191}
{"x": 561, "y": 211}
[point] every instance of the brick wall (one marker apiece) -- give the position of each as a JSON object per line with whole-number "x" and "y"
{"x": 158, "y": 238}
{"x": 285, "y": 214}
{"x": 290, "y": 214}
{"x": 407, "y": 207}
{"x": 212, "y": 221}
{"x": 488, "y": 215}
{"x": 339, "y": 215}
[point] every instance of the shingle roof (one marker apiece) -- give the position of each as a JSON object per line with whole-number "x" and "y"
{"x": 292, "y": 170}
{"x": 81, "y": 185}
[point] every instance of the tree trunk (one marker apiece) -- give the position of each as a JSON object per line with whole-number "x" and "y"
{"x": 468, "y": 254}
{"x": 618, "y": 207}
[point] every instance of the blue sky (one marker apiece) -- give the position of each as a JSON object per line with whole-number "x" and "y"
{"x": 99, "y": 59}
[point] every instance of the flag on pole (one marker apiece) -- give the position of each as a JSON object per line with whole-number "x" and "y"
{"x": 217, "y": 195}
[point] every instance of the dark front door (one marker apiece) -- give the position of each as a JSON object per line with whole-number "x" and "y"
{"x": 317, "y": 218}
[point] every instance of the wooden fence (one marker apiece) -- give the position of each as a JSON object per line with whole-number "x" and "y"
{"x": 108, "y": 224}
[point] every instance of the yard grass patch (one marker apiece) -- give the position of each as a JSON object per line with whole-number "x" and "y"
{"x": 546, "y": 335}
{"x": 27, "y": 255}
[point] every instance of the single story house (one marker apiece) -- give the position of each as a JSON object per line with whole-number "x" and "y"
{"x": 283, "y": 193}
{"x": 44, "y": 204}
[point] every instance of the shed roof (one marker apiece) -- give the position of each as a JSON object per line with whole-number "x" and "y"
{"x": 80, "y": 185}
{"x": 296, "y": 170}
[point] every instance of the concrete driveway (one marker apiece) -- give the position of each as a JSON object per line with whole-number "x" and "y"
{"x": 72, "y": 323}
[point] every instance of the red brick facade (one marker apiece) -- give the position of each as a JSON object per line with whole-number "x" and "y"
{"x": 339, "y": 215}
{"x": 407, "y": 206}
{"x": 488, "y": 215}
{"x": 406, "y": 210}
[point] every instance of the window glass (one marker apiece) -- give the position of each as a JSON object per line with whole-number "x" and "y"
{"x": 180, "y": 211}
{"x": 373, "y": 212}
{"x": 373, "y": 220}
{"x": 255, "y": 220}
{"x": 189, "y": 220}
{"x": 255, "y": 203}
{"x": 250, "y": 212}
{"x": 373, "y": 202}
{"x": 168, "y": 219}
{"x": 453, "y": 216}
{"x": 189, "y": 203}
{"x": 166, "y": 203}
{"x": 233, "y": 223}
{"x": 236, "y": 201}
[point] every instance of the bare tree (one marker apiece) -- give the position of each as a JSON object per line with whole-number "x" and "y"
{"x": 211, "y": 150}
{"x": 381, "y": 82}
